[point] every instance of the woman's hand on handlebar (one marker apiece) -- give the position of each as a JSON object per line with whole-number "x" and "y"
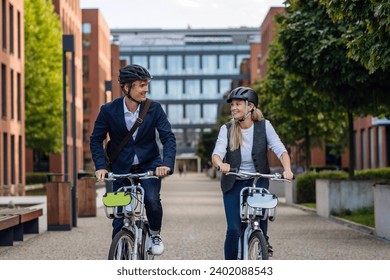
{"x": 224, "y": 167}
{"x": 287, "y": 174}
{"x": 100, "y": 174}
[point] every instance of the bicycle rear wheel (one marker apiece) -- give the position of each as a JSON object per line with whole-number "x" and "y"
{"x": 121, "y": 246}
{"x": 257, "y": 246}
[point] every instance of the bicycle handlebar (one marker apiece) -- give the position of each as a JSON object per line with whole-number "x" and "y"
{"x": 244, "y": 174}
{"x": 145, "y": 175}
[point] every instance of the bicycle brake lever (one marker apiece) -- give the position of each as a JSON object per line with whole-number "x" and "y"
{"x": 109, "y": 177}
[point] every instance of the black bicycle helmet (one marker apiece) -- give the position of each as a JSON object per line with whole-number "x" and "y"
{"x": 244, "y": 93}
{"x": 133, "y": 72}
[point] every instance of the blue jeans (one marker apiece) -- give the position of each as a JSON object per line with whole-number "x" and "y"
{"x": 152, "y": 200}
{"x": 231, "y": 200}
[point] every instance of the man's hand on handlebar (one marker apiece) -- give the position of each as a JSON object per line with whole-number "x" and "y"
{"x": 100, "y": 174}
{"x": 163, "y": 171}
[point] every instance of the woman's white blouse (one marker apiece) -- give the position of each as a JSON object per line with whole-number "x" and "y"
{"x": 273, "y": 141}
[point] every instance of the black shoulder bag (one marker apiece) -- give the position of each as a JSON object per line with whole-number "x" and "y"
{"x": 110, "y": 158}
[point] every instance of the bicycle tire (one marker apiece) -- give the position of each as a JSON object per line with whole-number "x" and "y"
{"x": 144, "y": 250}
{"x": 122, "y": 246}
{"x": 146, "y": 255}
{"x": 257, "y": 246}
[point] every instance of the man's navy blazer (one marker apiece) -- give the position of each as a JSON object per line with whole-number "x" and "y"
{"x": 111, "y": 120}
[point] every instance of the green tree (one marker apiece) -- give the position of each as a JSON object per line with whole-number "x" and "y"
{"x": 301, "y": 116}
{"x": 43, "y": 77}
{"x": 367, "y": 34}
{"x": 314, "y": 50}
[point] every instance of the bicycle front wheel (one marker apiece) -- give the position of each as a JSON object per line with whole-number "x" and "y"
{"x": 121, "y": 246}
{"x": 257, "y": 246}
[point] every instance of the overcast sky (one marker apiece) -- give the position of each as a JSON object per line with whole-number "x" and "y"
{"x": 182, "y": 13}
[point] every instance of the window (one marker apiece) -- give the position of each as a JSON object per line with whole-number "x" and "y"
{"x": 86, "y": 133}
{"x": 157, "y": 89}
{"x": 192, "y": 64}
{"x": 19, "y": 97}
{"x": 175, "y": 89}
{"x": 5, "y": 158}
{"x": 3, "y": 91}
{"x": 372, "y": 147}
{"x": 11, "y": 29}
{"x": 226, "y": 64}
{"x": 12, "y": 95}
{"x": 19, "y": 36}
{"x": 379, "y": 147}
{"x": 192, "y": 113}
{"x": 192, "y": 89}
{"x": 210, "y": 113}
{"x": 239, "y": 60}
{"x": 210, "y": 90}
{"x": 209, "y": 64}
{"x": 175, "y": 113}
{"x": 4, "y": 23}
{"x": 157, "y": 65}
{"x": 85, "y": 68}
{"x": 363, "y": 149}
{"x": 224, "y": 86}
{"x": 86, "y": 29}
{"x": 12, "y": 163}
{"x": 175, "y": 63}
{"x": 20, "y": 153}
{"x": 140, "y": 60}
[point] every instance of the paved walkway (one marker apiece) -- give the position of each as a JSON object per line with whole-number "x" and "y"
{"x": 194, "y": 229}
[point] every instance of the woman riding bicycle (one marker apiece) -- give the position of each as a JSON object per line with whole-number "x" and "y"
{"x": 243, "y": 144}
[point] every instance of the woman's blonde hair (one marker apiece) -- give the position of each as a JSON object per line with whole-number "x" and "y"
{"x": 235, "y": 130}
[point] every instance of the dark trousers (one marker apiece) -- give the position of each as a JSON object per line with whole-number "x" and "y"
{"x": 231, "y": 200}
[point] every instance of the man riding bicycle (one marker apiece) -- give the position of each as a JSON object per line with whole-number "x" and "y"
{"x": 141, "y": 153}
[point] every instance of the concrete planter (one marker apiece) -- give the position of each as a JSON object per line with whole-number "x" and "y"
{"x": 290, "y": 192}
{"x": 277, "y": 188}
{"x": 335, "y": 195}
{"x": 382, "y": 210}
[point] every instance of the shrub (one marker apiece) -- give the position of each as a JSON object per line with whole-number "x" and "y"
{"x": 305, "y": 187}
{"x": 380, "y": 174}
{"x": 36, "y": 178}
{"x": 306, "y": 184}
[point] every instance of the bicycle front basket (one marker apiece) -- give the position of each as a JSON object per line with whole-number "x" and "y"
{"x": 116, "y": 199}
{"x": 262, "y": 200}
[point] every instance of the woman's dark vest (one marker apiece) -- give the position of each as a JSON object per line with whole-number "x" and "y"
{"x": 259, "y": 155}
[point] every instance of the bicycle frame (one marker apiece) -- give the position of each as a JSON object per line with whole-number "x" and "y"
{"x": 133, "y": 211}
{"x": 256, "y": 204}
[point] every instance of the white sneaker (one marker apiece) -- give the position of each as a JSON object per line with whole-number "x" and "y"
{"x": 157, "y": 245}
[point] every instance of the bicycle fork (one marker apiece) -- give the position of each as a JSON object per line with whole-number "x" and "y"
{"x": 135, "y": 230}
{"x": 243, "y": 241}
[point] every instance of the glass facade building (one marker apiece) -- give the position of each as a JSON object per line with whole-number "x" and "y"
{"x": 193, "y": 70}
